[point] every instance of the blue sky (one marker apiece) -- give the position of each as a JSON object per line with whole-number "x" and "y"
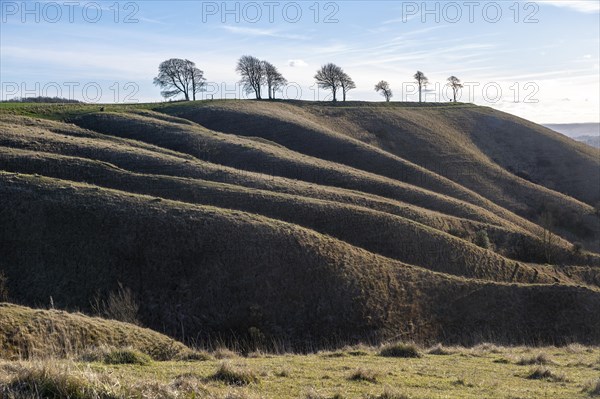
{"x": 538, "y": 60}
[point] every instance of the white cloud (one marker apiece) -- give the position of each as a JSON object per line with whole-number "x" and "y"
{"x": 588, "y": 6}
{"x": 297, "y": 63}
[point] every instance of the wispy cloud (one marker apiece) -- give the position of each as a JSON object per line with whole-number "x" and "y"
{"x": 587, "y": 6}
{"x": 151, "y": 21}
{"x": 400, "y": 20}
{"x": 263, "y": 32}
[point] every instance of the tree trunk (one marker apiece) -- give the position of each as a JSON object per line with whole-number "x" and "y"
{"x": 419, "y": 92}
{"x": 334, "y": 99}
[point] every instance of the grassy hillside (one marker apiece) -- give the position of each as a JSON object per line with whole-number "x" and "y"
{"x": 483, "y": 150}
{"x": 303, "y": 222}
{"x": 27, "y": 333}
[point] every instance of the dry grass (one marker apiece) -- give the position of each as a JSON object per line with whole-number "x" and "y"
{"x": 577, "y": 348}
{"x": 224, "y": 353}
{"x": 442, "y": 350}
{"x": 487, "y": 347}
{"x": 116, "y": 356}
{"x": 593, "y": 387}
{"x": 362, "y": 374}
{"x": 539, "y": 359}
{"x": 389, "y": 393}
{"x": 53, "y": 380}
{"x": 28, "y": 333}
{"x": 400, "y": 349}
{"x": 195, "y": 355}
{"x": 283, "y": 372}
{"x": 235, "y": 374}
{"x": 457, "y": 375}
{"x": 545, "y": 373}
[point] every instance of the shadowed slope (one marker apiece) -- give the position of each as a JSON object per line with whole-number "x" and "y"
{"x": 206, "y": 269}
{"x": 458, "y": 142}
{"x": 309, "y": 233}
{"x": 239, "y": 152}
{"x": 143, "y": 158}
{"x": 382, "y": 233}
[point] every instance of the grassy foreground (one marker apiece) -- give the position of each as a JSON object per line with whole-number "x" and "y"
{"x": 485, "y": 371}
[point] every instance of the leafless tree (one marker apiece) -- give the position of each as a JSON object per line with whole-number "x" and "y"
{"x": 177, "y": 76}
{"x": 383, "y": 87}
{"x": 328, "y": 77}
{"x": 252, "y": 72}
{"x": 346, "y": 83}
{"x": 422, "y": 81}
{"x": 454, "y": 82}
{"x": 273, "y": 79}
{"x": 198, "y": 81}
{"x": 278, "y": 84}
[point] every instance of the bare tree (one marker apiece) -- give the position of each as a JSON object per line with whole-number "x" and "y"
{"x": 253, "y": 74}
{"x": 346, "y": 83}
{"x": 198, "y": 81}
{"x": 328, "y": 77}
{"x": 383, "y": 87}
{"x": 273, "y": 78}
{"x": 177, "y": 76}
{"x": 422, "y": 81}
{"x": 454, "y": 82}
{"x": 278, "y": 84}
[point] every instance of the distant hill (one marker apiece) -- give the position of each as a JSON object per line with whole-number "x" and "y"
{"x": 574, "y": 130}
{"x": 305, "y": 222}
{"x": 42, "y": 100}
{"x": 588, "y": 133}
{"x": 593, "y": 141}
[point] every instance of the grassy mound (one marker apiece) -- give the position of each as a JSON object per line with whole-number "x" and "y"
{"x": 400, "y": 349}
{"x": 32, "y": 333}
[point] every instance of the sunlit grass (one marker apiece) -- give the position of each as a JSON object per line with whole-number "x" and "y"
{"x": 464, "y": 373}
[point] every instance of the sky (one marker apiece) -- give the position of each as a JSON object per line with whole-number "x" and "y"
{"x": 538, "y": 60}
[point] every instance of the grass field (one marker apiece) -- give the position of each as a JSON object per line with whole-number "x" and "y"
{"x": 55, "y": 354}
{"x": 486, "y": 371}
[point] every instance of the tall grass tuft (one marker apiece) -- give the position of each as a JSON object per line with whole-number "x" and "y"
{"x": 593, "y": 387}
{"x": 235, "y": 375}
{"x": 544, "y": 373}
{"x": 400, "y": 349}
{"x": 362, "y": 374}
